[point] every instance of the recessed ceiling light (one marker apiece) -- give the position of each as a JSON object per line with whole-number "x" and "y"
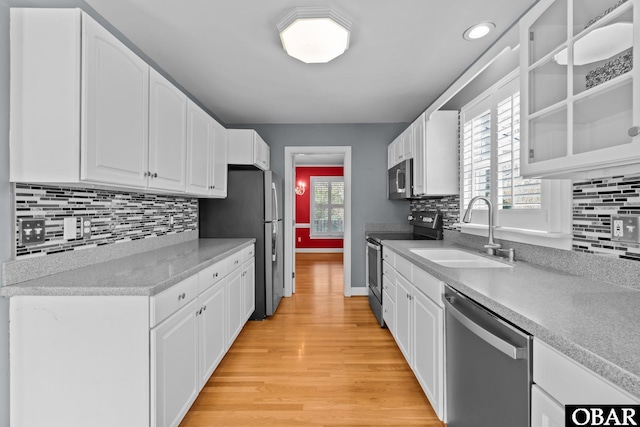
{"x": 478, "y": 31}
{"x": 314, "y": 34}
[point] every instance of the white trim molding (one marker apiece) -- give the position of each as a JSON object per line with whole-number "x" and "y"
{"x": 289, "y": 212}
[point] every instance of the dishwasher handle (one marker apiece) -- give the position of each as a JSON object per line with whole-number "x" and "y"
{"x": 509, "y": 349}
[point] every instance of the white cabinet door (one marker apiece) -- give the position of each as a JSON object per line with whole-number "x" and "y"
{"x": 234, "y": 305}
{"x": 407, "y": 144}
{"x": 174, "y": 367}
{"x": 389, "y": 312}
{"x": 404, "y": 317}
{"x": 390, "y": 158}
{"x": 428, "y": 340}
{"x": 115, "y": 96}
{"x": 248, "y": 289}
{"x": 218, "y": 173}
{"x": 419, "y": 165}
{"x": 199, "y": 141}
{"x": 211, "y": 330}
{"x": 167, "y": 134}
{"x": 545, "y": 411}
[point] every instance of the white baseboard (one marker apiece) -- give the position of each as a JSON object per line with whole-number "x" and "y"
{"x": 320, "y": 250}
{"x": 359, "y": 292}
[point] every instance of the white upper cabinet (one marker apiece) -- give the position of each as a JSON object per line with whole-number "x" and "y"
{"x": 199, "y": 143}
{"x": 579, "y": 103}
{"x": 435, "y": 154}
{"x": 167, "y": 134}
{"x": 86, "y": 110}
{"x": 218, "y": 172}
{"x": 115, "y": 95}
{"x": 401, "y": 148}
{"x": 246, "y": 147}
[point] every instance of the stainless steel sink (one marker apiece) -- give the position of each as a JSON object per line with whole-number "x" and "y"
{"x": 455, "y": 258}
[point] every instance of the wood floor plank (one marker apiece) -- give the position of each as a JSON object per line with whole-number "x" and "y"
{"x": 321, "y": 360}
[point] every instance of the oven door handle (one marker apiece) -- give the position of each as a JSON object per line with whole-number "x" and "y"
{"x": 372, "y": 246}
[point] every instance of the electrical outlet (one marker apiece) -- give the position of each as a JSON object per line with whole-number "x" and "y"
{"x": 32, "y": 231}
{"x": 85, "y": 227}
{"x": 625, "y": 228}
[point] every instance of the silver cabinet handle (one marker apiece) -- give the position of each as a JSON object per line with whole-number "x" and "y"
{"x": 500, "y": 344}
{"x": 155, "y": 175}
{"x": 634, "y": 131}
{"x": 182, "y": 296}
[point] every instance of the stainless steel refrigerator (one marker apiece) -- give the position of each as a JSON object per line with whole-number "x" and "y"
{"x": 253, "y": 208}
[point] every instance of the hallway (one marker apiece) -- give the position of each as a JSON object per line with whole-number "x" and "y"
{"x": 321, "y": 360}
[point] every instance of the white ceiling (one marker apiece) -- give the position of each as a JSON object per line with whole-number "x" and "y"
{"x": 403, "y": 54}
{"x": 319, "y": 159}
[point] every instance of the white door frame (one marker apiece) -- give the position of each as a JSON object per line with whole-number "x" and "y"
{"x": 289, "y": 213}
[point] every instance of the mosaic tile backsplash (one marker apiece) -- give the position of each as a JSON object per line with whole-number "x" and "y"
{"x": 116, "y": 216}
{"x": 594, "y": 202}
{"x": 449, "y": 206}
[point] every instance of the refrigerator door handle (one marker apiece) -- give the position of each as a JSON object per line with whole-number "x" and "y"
{"x": 274, "y": 194}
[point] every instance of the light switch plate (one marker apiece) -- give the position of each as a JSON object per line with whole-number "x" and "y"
{"x": 70, "y": 226}
{"x": 32, "y": 231}
{"x": 625, "y": 228}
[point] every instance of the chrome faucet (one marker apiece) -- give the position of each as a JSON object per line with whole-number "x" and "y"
{"x": 492, "y": 247}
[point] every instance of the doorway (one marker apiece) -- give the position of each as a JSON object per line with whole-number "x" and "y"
{"x": 319, "y": 155}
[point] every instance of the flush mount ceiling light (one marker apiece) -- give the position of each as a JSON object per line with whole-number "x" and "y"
{"x": 478, "y": 31}
{"x": 314, "y": 34}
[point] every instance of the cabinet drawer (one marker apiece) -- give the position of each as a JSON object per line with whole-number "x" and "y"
{"x": 428, "y": 285}
{"x": 389, "y": 287}
{"x": 388, "y": 271}
{"x": 403, "y": 267}
{"x": 211, "y": 275}
{"x": 234, "y": 261}
{"x": 248, "y": 253}
{"x": 571, "y": 383}
{"x": 389, "y": 256}
{"x": 169, "y": 301}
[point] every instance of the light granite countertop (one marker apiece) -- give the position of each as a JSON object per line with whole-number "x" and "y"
{"x": 146, "y": 273}
{"x": 595, "y": 323}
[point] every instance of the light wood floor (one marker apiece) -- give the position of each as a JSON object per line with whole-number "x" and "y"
{"x": 321, "y": 360}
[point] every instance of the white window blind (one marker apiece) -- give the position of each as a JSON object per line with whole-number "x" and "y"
{"x": 327, "y": 206}
{"x": 491, "y": 161}
{"x": 514, "y": 192}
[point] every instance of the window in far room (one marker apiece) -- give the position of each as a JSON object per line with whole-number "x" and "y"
{"x": 327, "y": 206}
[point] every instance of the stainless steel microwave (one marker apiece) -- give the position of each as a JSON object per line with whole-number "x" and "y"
{"x": 400, "y": 181}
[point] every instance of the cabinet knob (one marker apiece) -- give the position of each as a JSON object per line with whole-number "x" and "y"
{"x": 634, "y": 131}
{"x": 155, "y": 175}
{"x": 182, "y": 296}
{"x": 215, "y": 275}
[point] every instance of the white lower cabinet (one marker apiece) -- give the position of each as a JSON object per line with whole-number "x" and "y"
{"x": 404, "y": 316}
{"x": 234, "y": 305}
{"x": 545, "y": 410}
{"x": 559, "y": 380}
{"x": 415, "y": 318}
{"x": 428, "y": 337}
{"x": 211, "y": 337}
{"x": 248, "y": 288}
{"x": 174, "y": 365}
{"x": 132, "y": 361}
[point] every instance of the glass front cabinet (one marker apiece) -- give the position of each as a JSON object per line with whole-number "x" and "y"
{"x": 579, "y": 88}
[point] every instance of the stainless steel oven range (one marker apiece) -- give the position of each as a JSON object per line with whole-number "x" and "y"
{"x": 425, "y": 225}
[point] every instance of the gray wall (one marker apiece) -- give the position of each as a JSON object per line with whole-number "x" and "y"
{"x": 369, "y": 166}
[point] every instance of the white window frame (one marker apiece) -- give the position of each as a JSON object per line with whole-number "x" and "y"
{"x": 551, "y": 225}
{"x": 328, "y": 234}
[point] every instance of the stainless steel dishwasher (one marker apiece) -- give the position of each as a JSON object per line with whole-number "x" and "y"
{"x": 488, "y": 367}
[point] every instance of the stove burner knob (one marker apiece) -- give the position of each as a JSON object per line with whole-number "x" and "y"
{"x": 410, "y": 218}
